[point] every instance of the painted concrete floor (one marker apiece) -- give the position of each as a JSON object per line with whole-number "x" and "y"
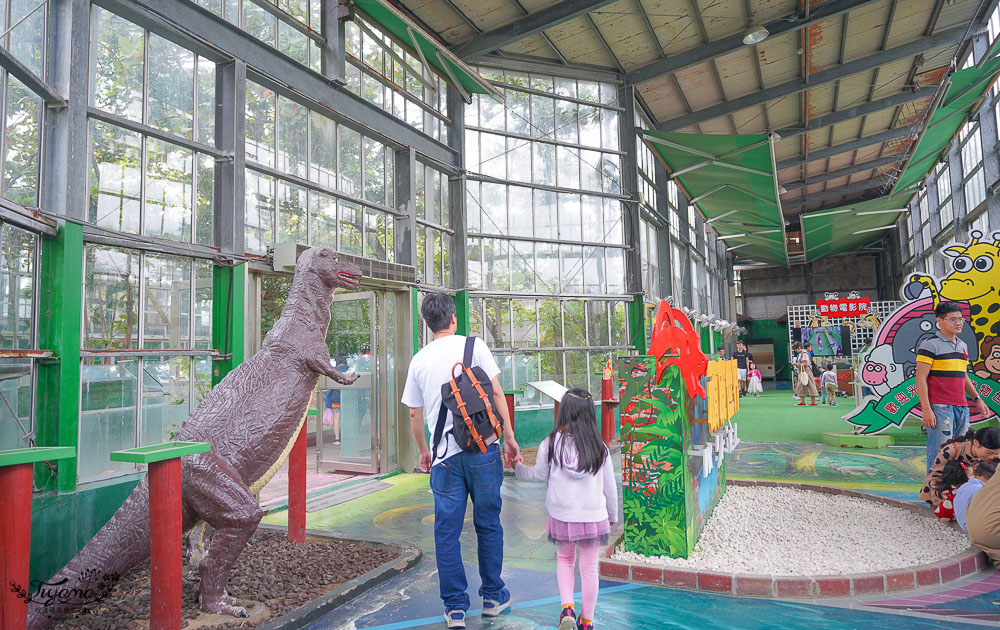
{"x": 404, "y": 511}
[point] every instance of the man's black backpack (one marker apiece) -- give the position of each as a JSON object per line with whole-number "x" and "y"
{"x": 469, "y": 397}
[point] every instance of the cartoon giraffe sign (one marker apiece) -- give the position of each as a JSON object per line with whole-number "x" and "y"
{"x": 888, "y": 368}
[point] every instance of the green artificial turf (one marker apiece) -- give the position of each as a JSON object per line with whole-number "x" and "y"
{"x": 774, "y": 418}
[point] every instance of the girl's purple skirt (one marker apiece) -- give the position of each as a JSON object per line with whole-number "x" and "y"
{"x": 583, "y": 533}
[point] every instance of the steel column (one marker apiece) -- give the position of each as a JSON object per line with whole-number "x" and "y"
{"x": 333, "y": 56}
{"x": 230, "y": 174}
{"x": 405, "y": 227}
{"x": 456, "y": 193}
{"x": 630, "y": 186}
{"x": 59, "y": 329}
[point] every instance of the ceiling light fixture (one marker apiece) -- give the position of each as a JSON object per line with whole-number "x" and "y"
{"x": 755, "y": 33}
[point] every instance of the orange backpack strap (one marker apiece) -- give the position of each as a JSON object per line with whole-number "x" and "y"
{"x": 497, "y": 428}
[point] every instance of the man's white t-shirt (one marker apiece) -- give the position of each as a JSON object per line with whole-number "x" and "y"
{"x": 429, "y": 370}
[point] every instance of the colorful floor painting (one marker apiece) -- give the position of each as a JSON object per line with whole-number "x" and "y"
{"x": 894, "y": 469}
{"x": 404, "y": 512}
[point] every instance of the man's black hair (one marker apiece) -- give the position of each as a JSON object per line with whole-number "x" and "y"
{"x": 437, "y": 310}
{"x": 943, "y": 309}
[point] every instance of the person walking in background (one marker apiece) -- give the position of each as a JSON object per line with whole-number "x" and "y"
{"x": 943, "y": 381}
{"x": 455, "y": 474}
{"x": 804, "y": 381}
{"x": 828, "y": 381}
{"x": 581, "y": 500}
{"x": 742, "y": 355}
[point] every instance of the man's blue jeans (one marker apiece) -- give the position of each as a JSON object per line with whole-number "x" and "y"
{"x": 478, "y": 475}
{"x": 952, "y": 421}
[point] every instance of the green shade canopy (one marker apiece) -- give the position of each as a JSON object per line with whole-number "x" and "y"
{"x": 960, "y": 100}
{"x": 423, "y": 46}
{"x": 830, "y": 232}
{"x": 730, "y": 179}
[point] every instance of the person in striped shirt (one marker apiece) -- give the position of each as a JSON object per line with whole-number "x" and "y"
{"x": 943, "y": 381}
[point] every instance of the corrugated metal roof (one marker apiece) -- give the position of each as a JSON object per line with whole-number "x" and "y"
{"x": 642, "y": 35}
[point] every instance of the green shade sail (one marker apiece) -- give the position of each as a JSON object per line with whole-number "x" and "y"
{"x": 731, "y": 180}
{"x": 423, "y": 46}
{"x": 830, "y": 232}
{"x": 961, "y": 99}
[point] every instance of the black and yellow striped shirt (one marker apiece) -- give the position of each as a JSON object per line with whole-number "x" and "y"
{"x": 949, "y": 362}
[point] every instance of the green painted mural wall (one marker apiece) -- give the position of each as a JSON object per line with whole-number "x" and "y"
{"x": 778, "y": 333}
{"x": 61, "y": 524}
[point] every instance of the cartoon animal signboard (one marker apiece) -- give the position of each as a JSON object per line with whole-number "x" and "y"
{"x": 888, "y": 368}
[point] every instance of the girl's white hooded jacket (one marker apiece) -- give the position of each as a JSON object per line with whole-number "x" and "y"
{"x": 573, "y": 496}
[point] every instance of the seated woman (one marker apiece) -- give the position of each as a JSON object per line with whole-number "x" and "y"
{"x": 983, "y": 519}
{"x": 970, "y": 449}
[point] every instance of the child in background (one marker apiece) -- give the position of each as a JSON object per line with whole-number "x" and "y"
{"x": 982, "y": 473}
{"x": 954, "y": 475}
{"x": 828, "y": 381}
{"x": 581, "y": 499}
{"x": 754, "y": 385}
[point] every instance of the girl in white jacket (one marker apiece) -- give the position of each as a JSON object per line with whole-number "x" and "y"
{"x": 581, "y": 499}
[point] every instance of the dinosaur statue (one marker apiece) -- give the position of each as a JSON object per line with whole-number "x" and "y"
{"x": 250, "y": 419}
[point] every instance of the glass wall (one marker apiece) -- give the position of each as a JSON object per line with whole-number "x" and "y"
{"x": 546, "y": 243}
{"x": 312, "y": 180}
{"x": 380, "y": 71}
{"x": 140, "y": 183}
{"x": 290, "y": 26}
{"x": 135, "y": 305}
{"x": 23, "y": 25}
{"x": 18, "y": 279}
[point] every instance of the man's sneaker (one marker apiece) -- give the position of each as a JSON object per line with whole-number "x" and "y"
{"x": 492, "y": 608}
{"x": 567, "y": 620}
{"x": 455, "y": 618}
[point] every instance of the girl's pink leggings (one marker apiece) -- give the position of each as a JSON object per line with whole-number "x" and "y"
{"x": 565, "y": 558}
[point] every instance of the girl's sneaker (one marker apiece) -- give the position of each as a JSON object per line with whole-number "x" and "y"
{"x": 580, "y": 625}
{"x": 567, "y": 620}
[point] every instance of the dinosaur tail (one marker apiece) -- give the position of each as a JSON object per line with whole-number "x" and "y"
{"x": 121, "y": 544}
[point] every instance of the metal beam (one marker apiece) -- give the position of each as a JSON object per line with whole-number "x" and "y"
{"x": 837, "y": 193}
{"x": 850, "y": 170}
{"x": 32, "y": 81}
{"x": 844, "y": 147}
{"x": 527, "y": 26}
{"x": 788, "y": 23}
{"x": 323, "y": 94}
{"x": 911, "y": 49}
{"x": 843, "y": 115}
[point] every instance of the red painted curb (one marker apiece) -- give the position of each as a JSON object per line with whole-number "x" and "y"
{"x": 904, "y": 578}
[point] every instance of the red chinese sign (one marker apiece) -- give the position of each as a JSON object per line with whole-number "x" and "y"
{"x": 851, "y": 307}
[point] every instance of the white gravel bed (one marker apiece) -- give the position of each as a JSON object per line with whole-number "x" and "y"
{"x": 785, "y": 531}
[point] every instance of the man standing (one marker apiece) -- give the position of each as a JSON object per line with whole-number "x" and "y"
{"x": 943, "y": 381}
{"x": 742, "y": 355}
{"x": 455, "y": 474}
